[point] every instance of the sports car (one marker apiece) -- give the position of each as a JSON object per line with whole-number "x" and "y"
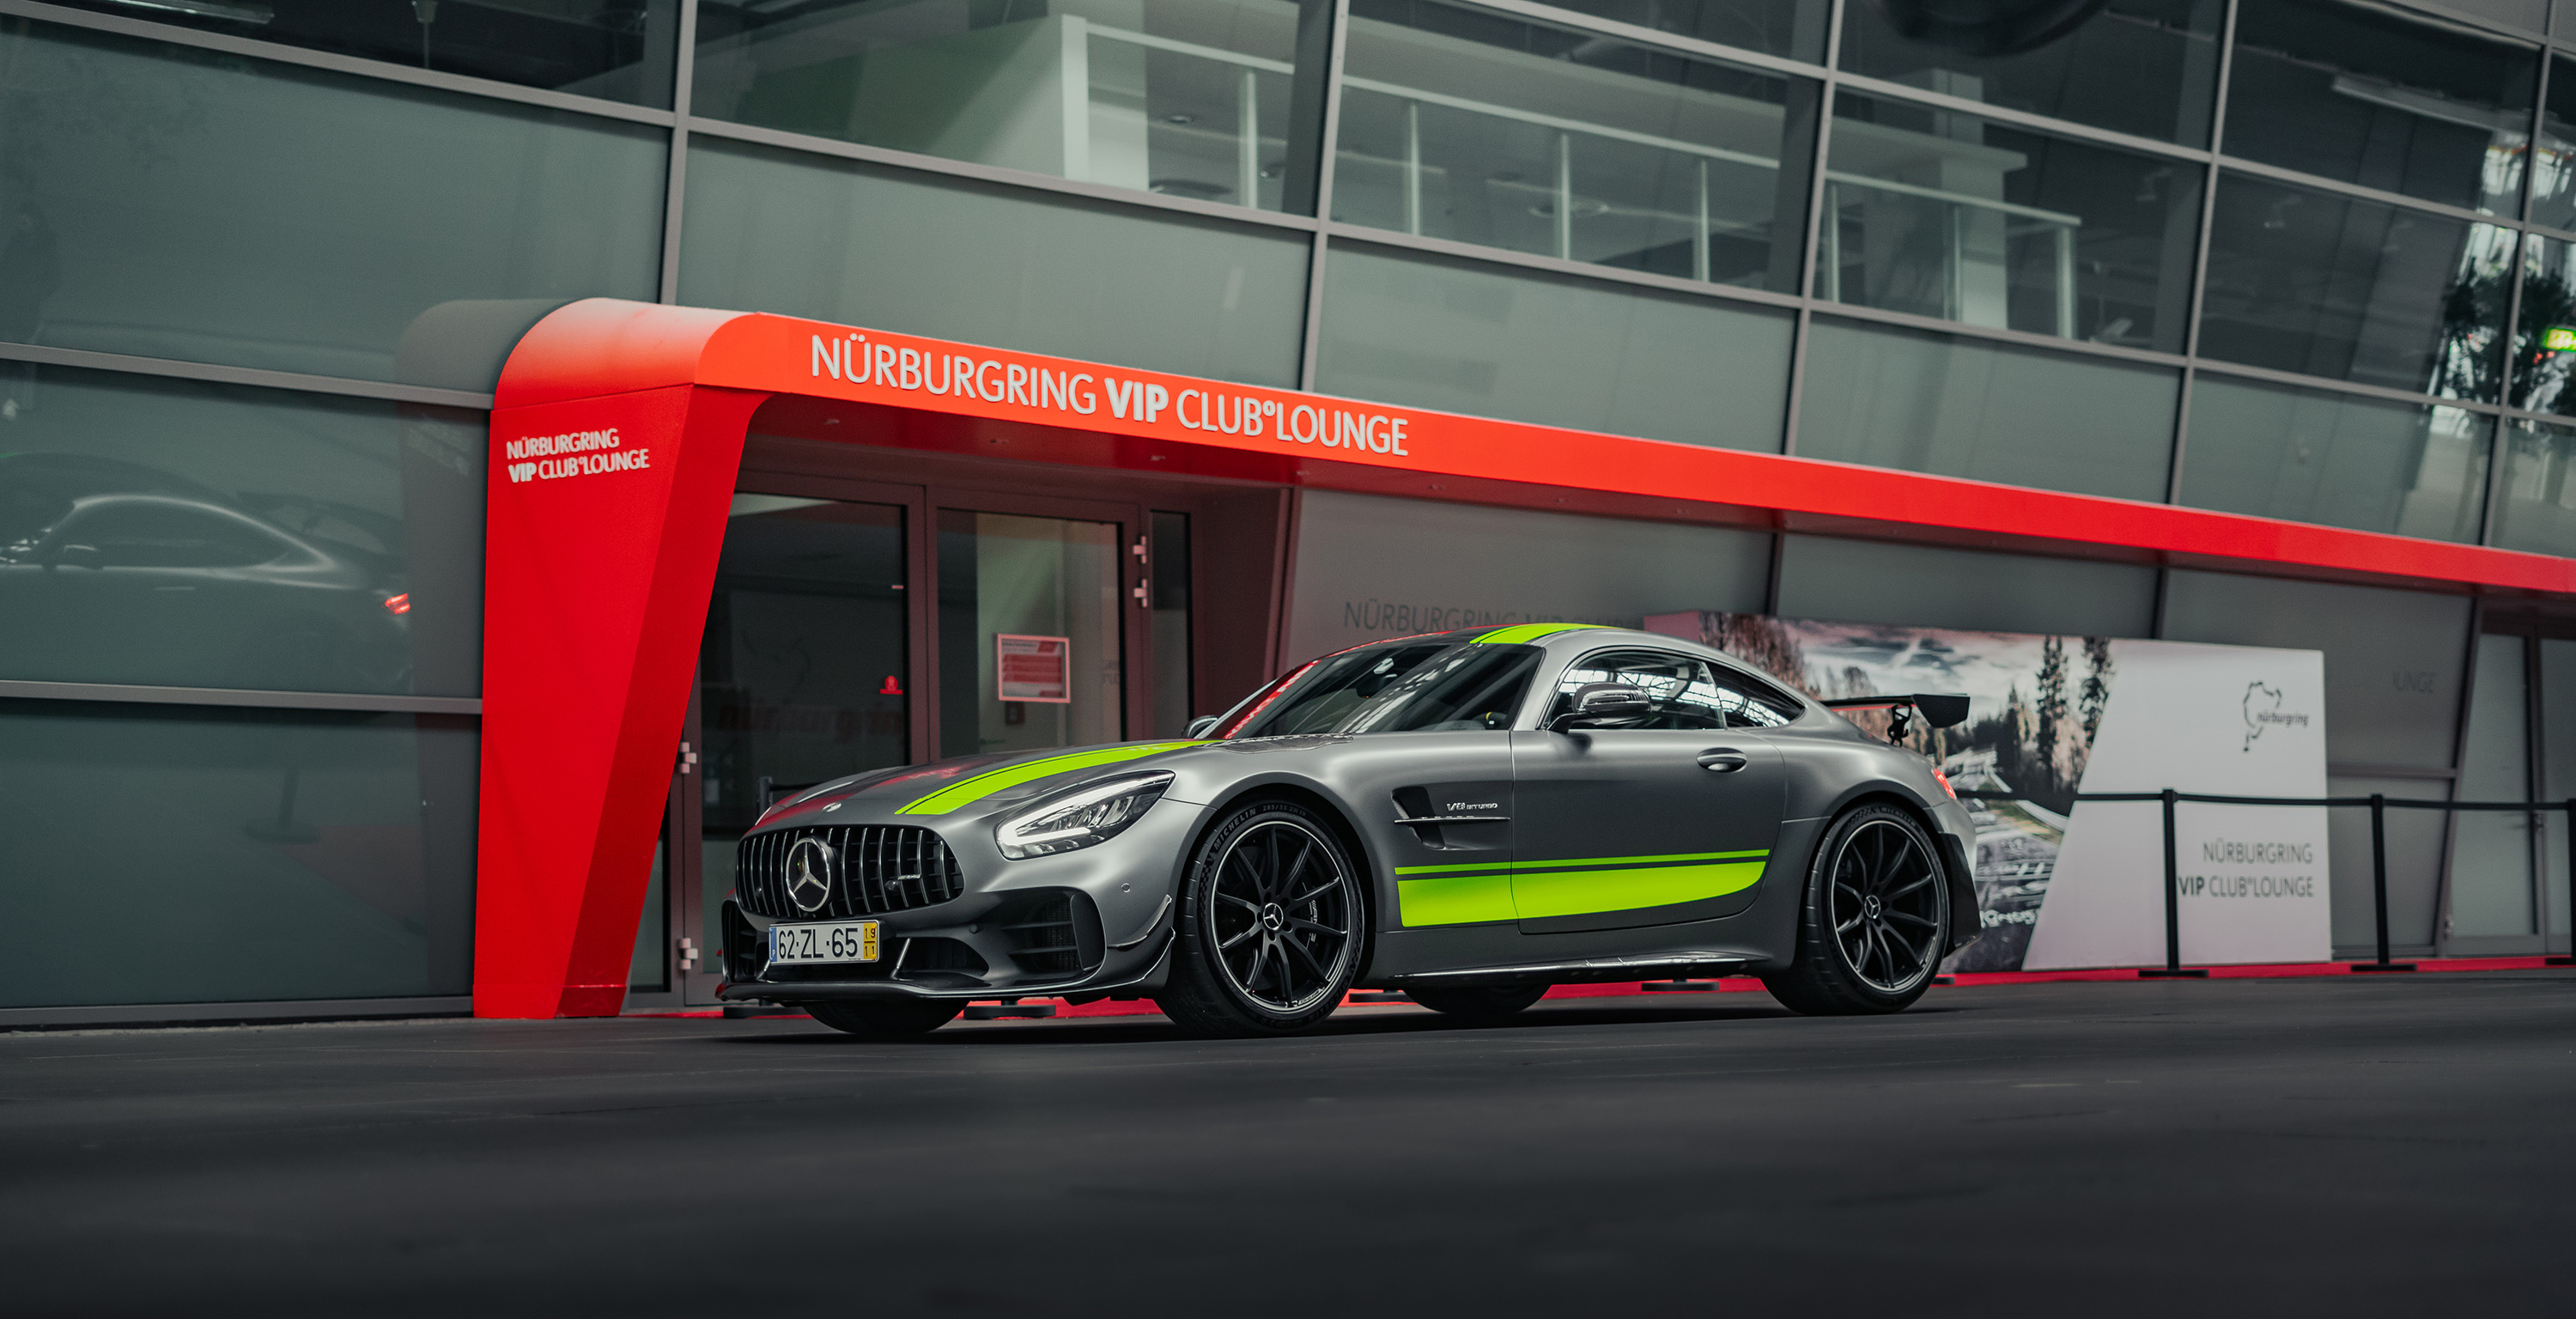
{"x": 1469, "y": 817}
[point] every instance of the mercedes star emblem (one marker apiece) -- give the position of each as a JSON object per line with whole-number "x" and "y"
{"x": 809, "y": 874}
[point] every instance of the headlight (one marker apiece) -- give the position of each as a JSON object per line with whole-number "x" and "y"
{"x": 1089, "y": 816}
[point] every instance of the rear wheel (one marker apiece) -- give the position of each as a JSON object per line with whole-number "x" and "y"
{"x": 1269, "y": 932}
{"x": 1869, "y": 934}
{"x": 1479, "y": 1002}
{"x": 886, "y": 1021}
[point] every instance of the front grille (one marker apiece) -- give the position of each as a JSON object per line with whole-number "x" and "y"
{"x": 875, "y": 868}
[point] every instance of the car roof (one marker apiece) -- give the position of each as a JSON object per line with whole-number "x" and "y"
{"x": 1574, "y": 636}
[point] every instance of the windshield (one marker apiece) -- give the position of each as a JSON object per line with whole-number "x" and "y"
{"x": 1432, "y": 687}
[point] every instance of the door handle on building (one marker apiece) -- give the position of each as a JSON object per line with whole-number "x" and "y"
{"x": 1722, "y": 760}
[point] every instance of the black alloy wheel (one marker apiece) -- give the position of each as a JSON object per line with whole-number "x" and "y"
{"x": 887, "y": 1020}
{"x": 1269, "y": 931}
{"x": 1876, "y": 912}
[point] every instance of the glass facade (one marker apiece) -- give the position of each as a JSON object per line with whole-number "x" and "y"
{"x": 241, "y": 245}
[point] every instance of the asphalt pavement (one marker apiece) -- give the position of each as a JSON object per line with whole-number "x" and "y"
{"x": 2354, "y": 1145}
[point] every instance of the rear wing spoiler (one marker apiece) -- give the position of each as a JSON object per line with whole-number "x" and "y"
{"x": 1936, "y": 710}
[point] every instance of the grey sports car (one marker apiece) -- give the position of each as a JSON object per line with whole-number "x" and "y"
{"x": 1469, "y": 817}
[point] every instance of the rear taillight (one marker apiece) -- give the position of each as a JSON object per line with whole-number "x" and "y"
{"x": 1944, "y": 780}
{"x": 398, "y": 604}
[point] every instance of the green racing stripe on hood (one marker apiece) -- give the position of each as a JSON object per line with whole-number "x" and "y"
{"x": 1530, "y": 632}
{"x": 973, "y": 790}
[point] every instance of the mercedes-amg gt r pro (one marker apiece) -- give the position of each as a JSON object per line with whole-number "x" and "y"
{"x": 1469, "y": 817}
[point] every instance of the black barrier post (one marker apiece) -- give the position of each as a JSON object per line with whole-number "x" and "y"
{"x": 2379, "y": 884}
{"x": 2173, "y": 906}
{"x": 2570, "y": 959}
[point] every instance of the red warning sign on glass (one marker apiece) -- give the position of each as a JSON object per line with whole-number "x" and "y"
{"x": 1033, "y": 668}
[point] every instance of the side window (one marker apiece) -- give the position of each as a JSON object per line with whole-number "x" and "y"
{"x": 1679, "y": 685}
{"x": 1746, "y": 702}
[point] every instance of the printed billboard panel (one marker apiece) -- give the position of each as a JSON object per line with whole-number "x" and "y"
{"x": 2062, "y": 883}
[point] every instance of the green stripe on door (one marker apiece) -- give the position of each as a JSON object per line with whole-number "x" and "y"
{"x": 1570, "y": 886}
{"x": 1531, "y": 632}
{"x": 1582, "y": 892}
{"x": 976, "y": 789}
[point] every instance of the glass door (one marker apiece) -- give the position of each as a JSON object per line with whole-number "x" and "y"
{"x": 1032, "y": 644}
{"x": 804, "y": 675}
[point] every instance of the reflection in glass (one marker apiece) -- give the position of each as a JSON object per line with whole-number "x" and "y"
{"x": 2354, "y": 290}
{"x": 2553, "y": 165}
{"x": 170, "y": 202}
{"x": 802, "y": 675}
{"x": 1793, "y": 29}
{"x": 2311, "y": 456}
{"x": 1170, "y": 565}
{"x": 192, "y": 535}
{"x": 1987, "y": 411}
{"x": 1491, "y": 341}
{"x": 1947, "y": 215}
{"x": 617, "y": 49}
{"x": 2147, "y": 67}
{"x": 2536, "y": 505}
{"x": 2491, "y": 873}
{"x": 2544, "y": 336}
{"x": 1190, "y": 98}
{"x": 1029, "y": 633}
{"x": 289, "y": 854}
{"x": 2360, "y": 94}
{"x": 1480, "y": 128}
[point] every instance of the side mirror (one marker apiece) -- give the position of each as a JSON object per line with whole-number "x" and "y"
{"x": 77, "y": 556}
{"x": 1596, "y": 704}
{"x": 1203, "y": 725}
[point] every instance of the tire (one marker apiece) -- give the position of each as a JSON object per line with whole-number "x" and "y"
{"x": 886, "y": 1021}
{"x": 1871, "y": 926}
{"x": 1268, "y": 936}
{"x": 1480, "y": 1003}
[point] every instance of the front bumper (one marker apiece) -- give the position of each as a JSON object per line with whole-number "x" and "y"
{"x": 1077, "y": 923}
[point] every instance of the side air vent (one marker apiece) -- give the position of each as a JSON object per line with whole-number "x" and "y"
{"x": 866, "y": 870}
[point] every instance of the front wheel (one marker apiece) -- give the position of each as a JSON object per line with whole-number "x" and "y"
{"x": 1268, "y": 937}
{"x": 1870, "y": 930}
{"x": 886, "y": 1021}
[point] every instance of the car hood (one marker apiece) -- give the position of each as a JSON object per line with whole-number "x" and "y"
{"x": 964, "y": 786}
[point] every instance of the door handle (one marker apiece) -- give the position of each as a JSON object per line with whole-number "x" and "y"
{"x": 1723, "y": 760}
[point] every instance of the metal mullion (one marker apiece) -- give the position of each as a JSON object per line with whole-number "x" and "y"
{"x": 2316, "y": 183}
{"x": 2216, "y": 366}
{"x": 675, "y": 179}
{"x": 1579, "y": 269}
{"x": 241, "y": 698}
{"x": 1997, "y": 334}
{"x": 1311, "y": 334}
{"x": 1801, "y": 330}
{"x": 2195, "y": 298}
{"x": 357, "y": 66}
{"x": 2497, "y": 445}
{"x": 172, "y": 368}
{"x": 2037, "y": 123}
{"x": 1646, "y": 36}
{"x": 809, "y": 144}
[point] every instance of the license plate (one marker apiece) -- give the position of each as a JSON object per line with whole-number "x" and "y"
{"x": 829, "y": 941}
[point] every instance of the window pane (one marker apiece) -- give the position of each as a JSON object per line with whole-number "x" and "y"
{"x": 2148, "y": 67}
{"x": 617, "y": 49}
{"x": 1947, "y": 215}
{"x": 2360, "y": 95}
{"x": 2536, "y": 509}
{"x": 2544, "y": 338}
{"x": 779, "y": 232}
{"x": 2310, "y": 456}
{"x": 1964, "y": 407}
{"x": 1170, "y": 566}
{"x": 1793, "y": 29}
{"x": 2353, "y": 290}
{"x": 192, "y": 535}
{"x": 2491, "y": 890}
{"x": 1190, "y": 98}
{"x": 176, "y": 203}
{"x": 1480, "y": 128}
{"x": 1432, "y": 333}
{"x": 291, "y": 855}
{"x": 2553, "y": 179}
{"x": 1043, "y": 592}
